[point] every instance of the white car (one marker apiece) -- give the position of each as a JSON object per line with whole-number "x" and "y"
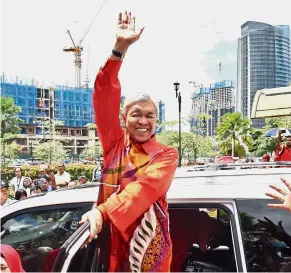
{"x": 219, "y": 222}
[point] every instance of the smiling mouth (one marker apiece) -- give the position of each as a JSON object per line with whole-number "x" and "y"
{"x": 142, "y": 130}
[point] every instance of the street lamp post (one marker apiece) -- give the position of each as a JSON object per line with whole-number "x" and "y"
{"x": 178, "y": 96}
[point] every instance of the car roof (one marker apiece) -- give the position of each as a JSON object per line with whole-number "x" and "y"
{"x": 62, "y": 196}
{"x": 226, "y": 184}
{"x": 186, "y": 187}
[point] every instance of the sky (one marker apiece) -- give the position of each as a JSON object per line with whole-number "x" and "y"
{"x": 183, "y": 40}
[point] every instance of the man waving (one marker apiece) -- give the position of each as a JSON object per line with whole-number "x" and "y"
{"x": 138, "y": 170}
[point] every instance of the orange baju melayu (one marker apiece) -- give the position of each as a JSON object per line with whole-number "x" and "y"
{"x": 136, "y": 177}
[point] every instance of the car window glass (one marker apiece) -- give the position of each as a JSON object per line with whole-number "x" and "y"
{"x": 267, "y": 236}
{"x": 202, "y": 240}
{"x": 38, "y": 235}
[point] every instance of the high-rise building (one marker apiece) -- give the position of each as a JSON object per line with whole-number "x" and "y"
{"x": 209, "y": 105}
{"x": 263, "y": 62}
{"x": 162, "y": 117}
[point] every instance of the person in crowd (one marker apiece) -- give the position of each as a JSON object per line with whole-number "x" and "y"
{"x": 27, "y": 184}
{"x": 35, "y": 190}
{"x": 5, "y": 200}
{"x": 283, "y": 152}
{"x": 44, "y": 185}
{"x": 20, "y": 194}
{"x": 10, "y": 259}
{"x": 97, "y": 173}
{"x": 62, "y": 177}
{"x": 49, "y": 172}
{"x": 137, "y": 173}
{"x": 266, "y": 158}
{"x": 17, "y": 181}
{"x": 72, "y": 184}
{"x": 82, "y": 180}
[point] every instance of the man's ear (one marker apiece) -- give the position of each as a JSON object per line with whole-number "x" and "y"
{"x": 124, "y": 119}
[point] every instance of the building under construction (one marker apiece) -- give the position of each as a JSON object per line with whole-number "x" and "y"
{"x": 209, "y": 104}
{"x": 52, "y": 113}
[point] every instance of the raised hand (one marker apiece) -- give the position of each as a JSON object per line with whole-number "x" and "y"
{"x": 127, "y": 33}
{"x": 284, "y": 196}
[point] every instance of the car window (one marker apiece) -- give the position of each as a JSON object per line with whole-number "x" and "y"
{"x": 202, "y": 240}
{"x": 267, "y": 236}
{"x": 38, "y": 235}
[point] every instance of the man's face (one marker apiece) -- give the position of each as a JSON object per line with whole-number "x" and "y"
{"x": 26, "y": 183}
{"x": 288, "y": 142}
{"x": 44, "y": 184}
{"x": 140, "y": 121}
{"x": 34, "y": 192}
{"x": 4, "y": 195}
{"x": 18, "y": 172}
{"x": 61, "y": 169}
{"x": 101, "y": 163}
{"x": 83, "y": 180}
{"x": 42, "y": 172}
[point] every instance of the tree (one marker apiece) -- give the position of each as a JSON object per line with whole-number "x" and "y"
{"x": 9, "y": 121}
{"x": 233, "y": 132}
{"x": 93, "y": 151}
{"x": 50, "y": 151}
{"x": 12, "y": 150}
{"x": 261, "y": 144}
{"x": 203, "y": 117}
{"x": 192, "y": 144}
{"x": 282, "y": 122}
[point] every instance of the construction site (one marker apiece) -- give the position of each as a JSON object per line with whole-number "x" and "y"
{"x": 209, "y": 104}
{"x": 56, "y": 112}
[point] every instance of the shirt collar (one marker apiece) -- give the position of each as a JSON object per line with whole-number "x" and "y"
{"x": 150, "y": 147}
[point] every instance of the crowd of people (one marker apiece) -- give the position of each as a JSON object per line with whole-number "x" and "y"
{"x": 21, "y": 187}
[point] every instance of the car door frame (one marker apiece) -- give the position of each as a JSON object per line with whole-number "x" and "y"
{"x": 85, "y": 206}
{"x": 228, "y": 205}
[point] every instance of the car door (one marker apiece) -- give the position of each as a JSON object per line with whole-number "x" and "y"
{"x": 74, "y": 258}
{"x": 38, "y": 233}
{"x": 206, "y": 236}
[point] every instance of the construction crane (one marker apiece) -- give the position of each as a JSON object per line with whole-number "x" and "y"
{"x": 77, "y": 49}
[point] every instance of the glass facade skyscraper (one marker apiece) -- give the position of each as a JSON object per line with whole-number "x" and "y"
{"x": 263, "y": 62}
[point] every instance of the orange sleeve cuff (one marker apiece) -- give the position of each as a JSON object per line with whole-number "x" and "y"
{"x": 103, "y": 212}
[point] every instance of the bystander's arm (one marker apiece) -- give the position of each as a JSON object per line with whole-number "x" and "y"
{"x": 279, "y": 147}
{"x": 52, "y": 178}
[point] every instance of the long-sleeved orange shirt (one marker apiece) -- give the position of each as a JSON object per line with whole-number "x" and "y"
{"x": 136, "y": 178}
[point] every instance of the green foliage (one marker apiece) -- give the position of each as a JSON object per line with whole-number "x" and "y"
{"x": 33, "y": 171}
{"x": 234, "y": 129}
{"x": 9, "y": 121}
{"x": 263, "y": 145}
{"x": 12, "y": 150}
{"x": 91, "y": 126}
{"x": 282, "y": 122}
{"x": 76, "y": 170}
{"x": 192, "y": 145}
{"x": 50, "y": 151}
{"x": 93, "y": 151}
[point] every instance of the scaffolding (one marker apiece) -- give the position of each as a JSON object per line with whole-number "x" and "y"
{"x": 74, "y": 106}
{"x": 42, "y": 104}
